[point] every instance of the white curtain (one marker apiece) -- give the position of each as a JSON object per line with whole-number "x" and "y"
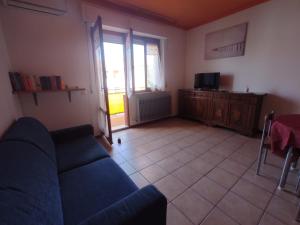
{"x": 100, "y": 72}
{"x": 129, "y": 63}
{"x": 102, "y": 119}
{"x": 155, "y": 66}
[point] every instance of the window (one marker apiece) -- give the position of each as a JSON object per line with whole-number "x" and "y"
{"x": 146, "y": 53}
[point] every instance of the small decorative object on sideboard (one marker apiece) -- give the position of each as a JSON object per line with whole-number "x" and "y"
{"x": 25, "y": 84}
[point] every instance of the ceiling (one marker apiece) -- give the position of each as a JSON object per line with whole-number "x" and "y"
{"x": 185, "y": 14}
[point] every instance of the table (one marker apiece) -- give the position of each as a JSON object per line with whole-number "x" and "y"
{"x": 285, "y": 140}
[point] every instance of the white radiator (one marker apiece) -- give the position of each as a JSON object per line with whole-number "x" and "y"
{"x": 153, "y": 106}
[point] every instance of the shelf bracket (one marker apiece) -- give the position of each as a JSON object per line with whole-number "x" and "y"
{"x": 34, "y": 94}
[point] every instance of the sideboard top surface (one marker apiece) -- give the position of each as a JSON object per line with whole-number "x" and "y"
{"x": 224, "y": 92}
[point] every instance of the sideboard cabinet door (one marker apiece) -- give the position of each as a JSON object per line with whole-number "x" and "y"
{"x": 219, "y": 112}
{"x": 238, "y": 116}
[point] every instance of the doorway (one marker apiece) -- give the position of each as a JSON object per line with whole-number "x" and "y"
{"x": 114, "y": 54}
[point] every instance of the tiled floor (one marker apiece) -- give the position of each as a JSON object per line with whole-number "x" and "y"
{"x": 206, "y": 173}
{"x": 117, "y": 121}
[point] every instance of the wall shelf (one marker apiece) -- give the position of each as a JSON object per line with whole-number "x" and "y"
{"x": 36, "y": 92}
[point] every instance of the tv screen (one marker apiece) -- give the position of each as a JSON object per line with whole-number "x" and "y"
{"x": 207, "y": 80}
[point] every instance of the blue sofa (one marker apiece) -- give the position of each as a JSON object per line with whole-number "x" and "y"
{"x": 66, "y": 177}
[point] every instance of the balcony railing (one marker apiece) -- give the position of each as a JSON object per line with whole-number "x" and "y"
{"x": 116, "y": 101}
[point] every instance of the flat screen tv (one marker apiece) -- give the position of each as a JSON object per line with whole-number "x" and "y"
{"x": 207, "y": 81}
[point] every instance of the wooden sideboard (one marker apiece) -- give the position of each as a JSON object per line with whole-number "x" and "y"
{"x": 237, "y": 111}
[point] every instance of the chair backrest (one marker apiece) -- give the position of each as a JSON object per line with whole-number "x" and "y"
{"x": 268, "y": 125}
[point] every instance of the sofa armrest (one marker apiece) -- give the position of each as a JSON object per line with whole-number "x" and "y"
{"x": 68, "y": 134}
{"x": 146, "y": 206}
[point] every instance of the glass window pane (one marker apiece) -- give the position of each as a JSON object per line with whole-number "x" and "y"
{"x": 114, "y": 62}
{"x": 139, "y": 67}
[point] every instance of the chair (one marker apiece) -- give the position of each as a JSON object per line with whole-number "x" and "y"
{"x": 265, "y": 143}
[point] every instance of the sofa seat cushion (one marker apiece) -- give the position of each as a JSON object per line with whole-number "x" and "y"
{"x": 88, "y": 189}
{"x": 29, "y": 187}
{"x": 32, "y": 131}
{"x": 70, "y": 155}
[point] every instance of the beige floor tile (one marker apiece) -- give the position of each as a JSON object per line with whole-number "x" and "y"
{"x": 249, "y": 150}
{"x": 212, "y": 158}
{"x": 201, "y": 134}
{"x": 170, "y": 186}
{"x": 200, "y": 166}
{"x": 265, "y": 182}
{"x": 170, "y": 164}
{"x": 163, "y": 152}
{"x": 179, "y": 135}
{"x": 214, "y": 140}
{"x": 118, "y": 158}
{"x": 127, "y": 168}
{"x": 233, "y": 143}
{"x": 141, "y": 162}
{"x": 209, "y": 190}
{"x": 267, "y": 219}
{"x": 183, "y": 157}
{"x": 252, "y": 193}
{"x": 239, "y": 209}
{"x": 198, "y": 148}
{"x": 193, "y": 206}
{"x": 274, "y": 160}
{"x": 156, "y": 144}
{"x": 153, "y": 173}
{"x": 195, "y": 151}
{"x": 292, "y": 178}
{"x": 186, "y": 141}
{"x": 139, "y": 180}
{"x": 175, "y": 217}
{"x": 223, "y": 150}
{"x": 130, "y": 153}
{"x": 222, "y": 177}
{"x": 205, "y": 144}
{"x": 217, "y": 217}
{"x": 283, "y": 210}
{"x": 288, "y": 194}
{"x": 187, "y": 175}
{"x": 242, "y": 159}
{"x": 233, "y": 167}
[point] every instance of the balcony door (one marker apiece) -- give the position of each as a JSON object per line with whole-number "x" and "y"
{"x": 100, "y": 69}
{"x": 115, "y": 61}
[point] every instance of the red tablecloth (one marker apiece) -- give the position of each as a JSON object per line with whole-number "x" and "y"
{"x": 285, "y": 132}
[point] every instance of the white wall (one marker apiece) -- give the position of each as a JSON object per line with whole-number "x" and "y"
{"x": 9, "y": 104}
{"x": 42, "y": 44}
{"x": 272, "y": 59}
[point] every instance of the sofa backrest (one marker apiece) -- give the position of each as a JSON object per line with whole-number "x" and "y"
{"x": 32, "y": 131}
{"x": 29, "y": 187}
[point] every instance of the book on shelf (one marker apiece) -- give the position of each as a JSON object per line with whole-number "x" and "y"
{"x": 58, "y": 82}
{"x": 44, "y": 82}
{"x": 16, "y": 81}
{"x": 13, "y": 81}
{"x": 53, "y": 83}
{"x": 37, "y": 82}
{"x": 23, "y": 82}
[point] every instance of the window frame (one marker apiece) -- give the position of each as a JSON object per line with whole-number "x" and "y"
{"x": 141, "y": 40}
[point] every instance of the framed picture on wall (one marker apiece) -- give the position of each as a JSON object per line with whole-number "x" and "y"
{"x": 228, "y": 42}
